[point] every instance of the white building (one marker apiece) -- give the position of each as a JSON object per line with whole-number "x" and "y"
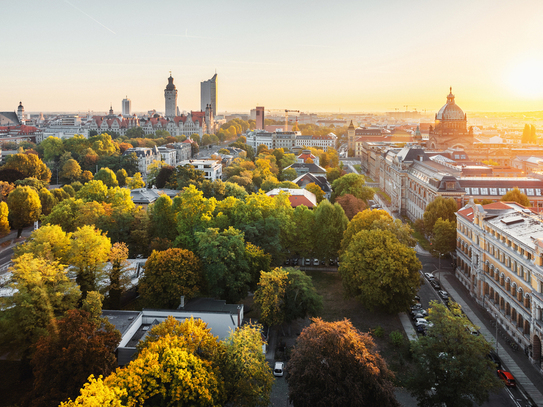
{"x": 211, "y": 168}
{"x": 170, "y": 96}
{"x": 126, "y": 106}
{"x": 183, "y": 151}
{"x": 146, "y": 156}
{"x": 290, "y": 139}
{"x": 208, "y": 94}
{"x": 169, "y": 155}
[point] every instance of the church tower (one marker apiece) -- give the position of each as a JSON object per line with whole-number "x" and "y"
{"x": 21, "y": 113}
{"x": 170, "y": 96}
{"x": 350, "y": 136}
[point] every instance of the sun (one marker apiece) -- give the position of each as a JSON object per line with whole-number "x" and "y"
{"x": 526, "y": 79}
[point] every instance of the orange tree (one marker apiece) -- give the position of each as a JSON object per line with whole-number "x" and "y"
{"x": 169, "y": 275}
{"x": 334, "y": 364}
{"x": 75, "y": 347}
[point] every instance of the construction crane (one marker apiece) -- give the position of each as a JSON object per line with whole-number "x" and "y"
{"x": 286, "y": 117}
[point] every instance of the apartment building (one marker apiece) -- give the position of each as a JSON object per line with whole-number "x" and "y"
{"x": 500, "y": 261}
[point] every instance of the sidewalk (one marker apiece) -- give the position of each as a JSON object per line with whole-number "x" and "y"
{"x": 524, "y": 372}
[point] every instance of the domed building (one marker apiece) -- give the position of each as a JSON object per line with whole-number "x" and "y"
{"x": 450, "y": 128}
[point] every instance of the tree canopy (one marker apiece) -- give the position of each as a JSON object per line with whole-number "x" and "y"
{"x": 29, "y": 165}
{"x": 334, "y": 364}
{"x": 516, "y": 196}
{"x": 353, "y": 184}
{"x": 444, "y": 208}
{"x": 24, "y": 207}
{"x": 380, "y": 271}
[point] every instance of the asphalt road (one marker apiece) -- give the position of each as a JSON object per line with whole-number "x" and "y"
{"x": 504, "y": 398}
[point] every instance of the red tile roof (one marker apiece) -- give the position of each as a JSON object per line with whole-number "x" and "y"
{"x": 466, "y": 213}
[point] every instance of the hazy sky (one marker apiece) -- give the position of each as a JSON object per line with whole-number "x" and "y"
{"x": 361, "y": 55}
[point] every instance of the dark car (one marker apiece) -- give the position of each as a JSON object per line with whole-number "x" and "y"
{"x": 435, "y": 284}
{"x": 495, "y": 359}
{"x": 287, "y": 262}
{"x": 507, "y": 378}
{"x": 443, "y": 294}
{"x": 421, "y": 329}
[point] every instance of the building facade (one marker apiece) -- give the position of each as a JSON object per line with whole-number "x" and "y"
{"x": 260, "y": 121}
{"x": 126, "y": 105}
{"x": 146, "y": 156}
{"x": 212, "y": 168}
{"x": 289, "y": 140}
{"x": 500, "y": 261}
{"x": 208, "y": 94}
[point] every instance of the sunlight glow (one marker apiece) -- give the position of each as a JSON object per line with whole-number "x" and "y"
{"x": 527, "y": 79}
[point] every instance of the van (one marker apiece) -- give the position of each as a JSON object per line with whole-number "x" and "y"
{"x": 279, "y": 369}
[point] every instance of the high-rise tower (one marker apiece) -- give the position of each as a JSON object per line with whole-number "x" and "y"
{"x": 170, "y": 96}
{"x": 126, "y": 106}
{"x": 208, "y": 92}
{"x": 260, "y": 121}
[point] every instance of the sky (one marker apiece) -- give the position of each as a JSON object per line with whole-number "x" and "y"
{"x": 313, "y": 56}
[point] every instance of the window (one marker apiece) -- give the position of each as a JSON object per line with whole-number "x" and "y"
{"x": 484, "y": 191}
{"x": 503, "y": 191}
{"x": 493, "y": 191}
{"x": 475, "y": 191}
{"x": 538, "y": 192}
{"x": 530, "y": 192}
{"x": 467, "y": 191}
{"x": 522, "y": 190}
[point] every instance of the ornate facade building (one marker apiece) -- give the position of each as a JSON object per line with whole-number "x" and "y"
{"x": 450, "y": 128}
{"x": 170, "y": 96}
{"x": 500, "y": 261}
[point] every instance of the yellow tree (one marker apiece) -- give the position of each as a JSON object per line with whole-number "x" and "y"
{"x": 89, "y": 251}
{"x": 4, "y": 223}
{"x": 71, "y": 170}
{"x": 362, "y": 221}
{"x": 319, "y": 193}
{"x": 30, "y": 165}
{"x": 49, "y": 242}
{"x": 136, "y": 181}
{"x": 24, "y": 207}
{"x": 270, "y": 296}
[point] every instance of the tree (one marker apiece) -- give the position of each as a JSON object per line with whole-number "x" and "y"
{"x": 301, "y": 239}
{"x": 30, "y": 165}
{"x": 333, "y": 173}
{"x": 24, "y": 207}
{"x": 247, "y": 375}
{"x": 122, "y": 177}
{"x": 169, "y": 275}
{"x": 319, "y": 193}
{"x": 75, "y": 347}
{"x": 94, "y": 190}
{"x": 301, "y": 299}
{"x": 4, "y": 223}
{"x": 41, "y": 292}
{"x": 351, "y": 205}
{"x": 330, "y": 223}
{"x": 533, "y": 135}
{"x": 162, "y": 216}
{"x": 380, "y": 271}
{"x": 5, "y": 189}
{"x": 107, "y": 176}
{"x": 225, "y": 263}
{"x": 164, "y": 175}
{"x": 89, "y": 251}
{"x": 136, "y": 181}
{"x": 269, "y": 296}
{"x": 451, "y": 367}
{"x": 444, "y": 208}
{"x": 10, "y": 175}
{"x": 53, "y": 148}
{"x": 443, "y": 239}
{"x": 334, "y": 364}
{"x": 525, "y": 134}
{"x": 49, "y": 242}
{"x": 258, "y": 261}
{"x": 186, "y": 175}
{"x": 31, "y": 182}
{"x": 69, "y": 190}
{"x": 86, "y": 176}
{"x": 353, "y": 184}
{"x": 117, "y": 273}
{"x": 516, "y": 196}
{"x": 71, "y": 170}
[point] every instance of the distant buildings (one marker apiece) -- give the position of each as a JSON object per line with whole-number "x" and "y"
{"x": 208, "y": 94}
{"x": 289, "y": 140}
{"x": 146, "y": 156}
{"x": 212, "y": 168}
{"x": 260, "y": 121}
{"x": 296, "y": 197}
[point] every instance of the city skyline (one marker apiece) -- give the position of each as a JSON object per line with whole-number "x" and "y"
{"x": 354, "y": 57}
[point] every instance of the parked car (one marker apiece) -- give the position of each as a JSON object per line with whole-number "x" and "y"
{"x": 287, "y": 262}
{"x": 443, "y": 294}
{"x": 429, "y": 276}
{"x": 507, "y": 378}
{"x": 419, "y": 314}
{"x": 295, "y": 261}
{"x": 332, "y": 262}
{"x": 435, "y": 284}
{"x": 307, "y": 262}
{"x": 315, "y": 262}
{"x": 495, "y": 359}
{"x": 323, "y": 262}
{"x": 421, "y": 329}
{"x": 416, "y": 307}
{"x": 425, "y": 322}
{"x": 279, "y": 369}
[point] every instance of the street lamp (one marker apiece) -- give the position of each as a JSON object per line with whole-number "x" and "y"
{"x": 497, "y": 344}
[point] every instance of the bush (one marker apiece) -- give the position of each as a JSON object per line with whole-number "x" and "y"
{"x": 378, "y": 332}
{"x": 396, "y": 338}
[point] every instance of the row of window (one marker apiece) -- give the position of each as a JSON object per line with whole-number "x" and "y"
{"x": 501, "y": 191}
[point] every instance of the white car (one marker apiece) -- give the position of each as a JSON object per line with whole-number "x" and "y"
{"x": 279, "y": 369}
{"x": 425, "y": 322}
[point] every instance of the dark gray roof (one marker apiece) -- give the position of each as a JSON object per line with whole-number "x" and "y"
{"x": 9, "y": 119}
{"x": 412, "y": 154}
{"x": 210, "y": 305}
{"x": 121, "y": 319}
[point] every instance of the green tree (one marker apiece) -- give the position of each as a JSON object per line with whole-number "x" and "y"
{"x": 451, "y": 367}
{"x": 258, "y": 261}
{"x": 89, "y": 251}
{"x": 118, "y": 275}
{"x": 47, "y": 201}
{"x": 301, "y": 239}
{"x": 164, "y": 175}
{"x": 380, "y": 271}
{"x": 333, "y": 174}
{"x": 225, "y": 263}
{"x": 24, "y": 207}
{"x": 186, "y": 175}
{"x": 75, "y": 347}
{"x": 30, "y": 165}
{"x": 71, "y": 170}
{"x": 353, "y": 184}
{"x": 162, "y": 216}
{"x": 444, "y": 208}
{"x": 516, "y": 196}
{"x": 69, "y": 190}
{"x": 443, "y": 239}
{"x": 319, "y": 193}
{"x": 41, "y": 292}
{"x": 122, "y": 177}
{"x": 247, "y": 374}
{"x": 94, "y": 190}
{"x": 31, "y": 182}
{"x": 4, "y": 223}
{"x": 334, "y": 364}
{"x": 234, "y": 190}
{"x": 53, "y": 148}
{"x": 330, "y": 223}
{"x": 169, "y": 275}
{"x": 107, "y": 176}
{"x": 59, "y": 195}
{"x": 103, "y": 144}
{"x": 301, "y": 298}
{"x": 49, "y": 242}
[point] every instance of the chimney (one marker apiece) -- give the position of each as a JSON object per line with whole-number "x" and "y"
{"x": 239, "y": 316}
